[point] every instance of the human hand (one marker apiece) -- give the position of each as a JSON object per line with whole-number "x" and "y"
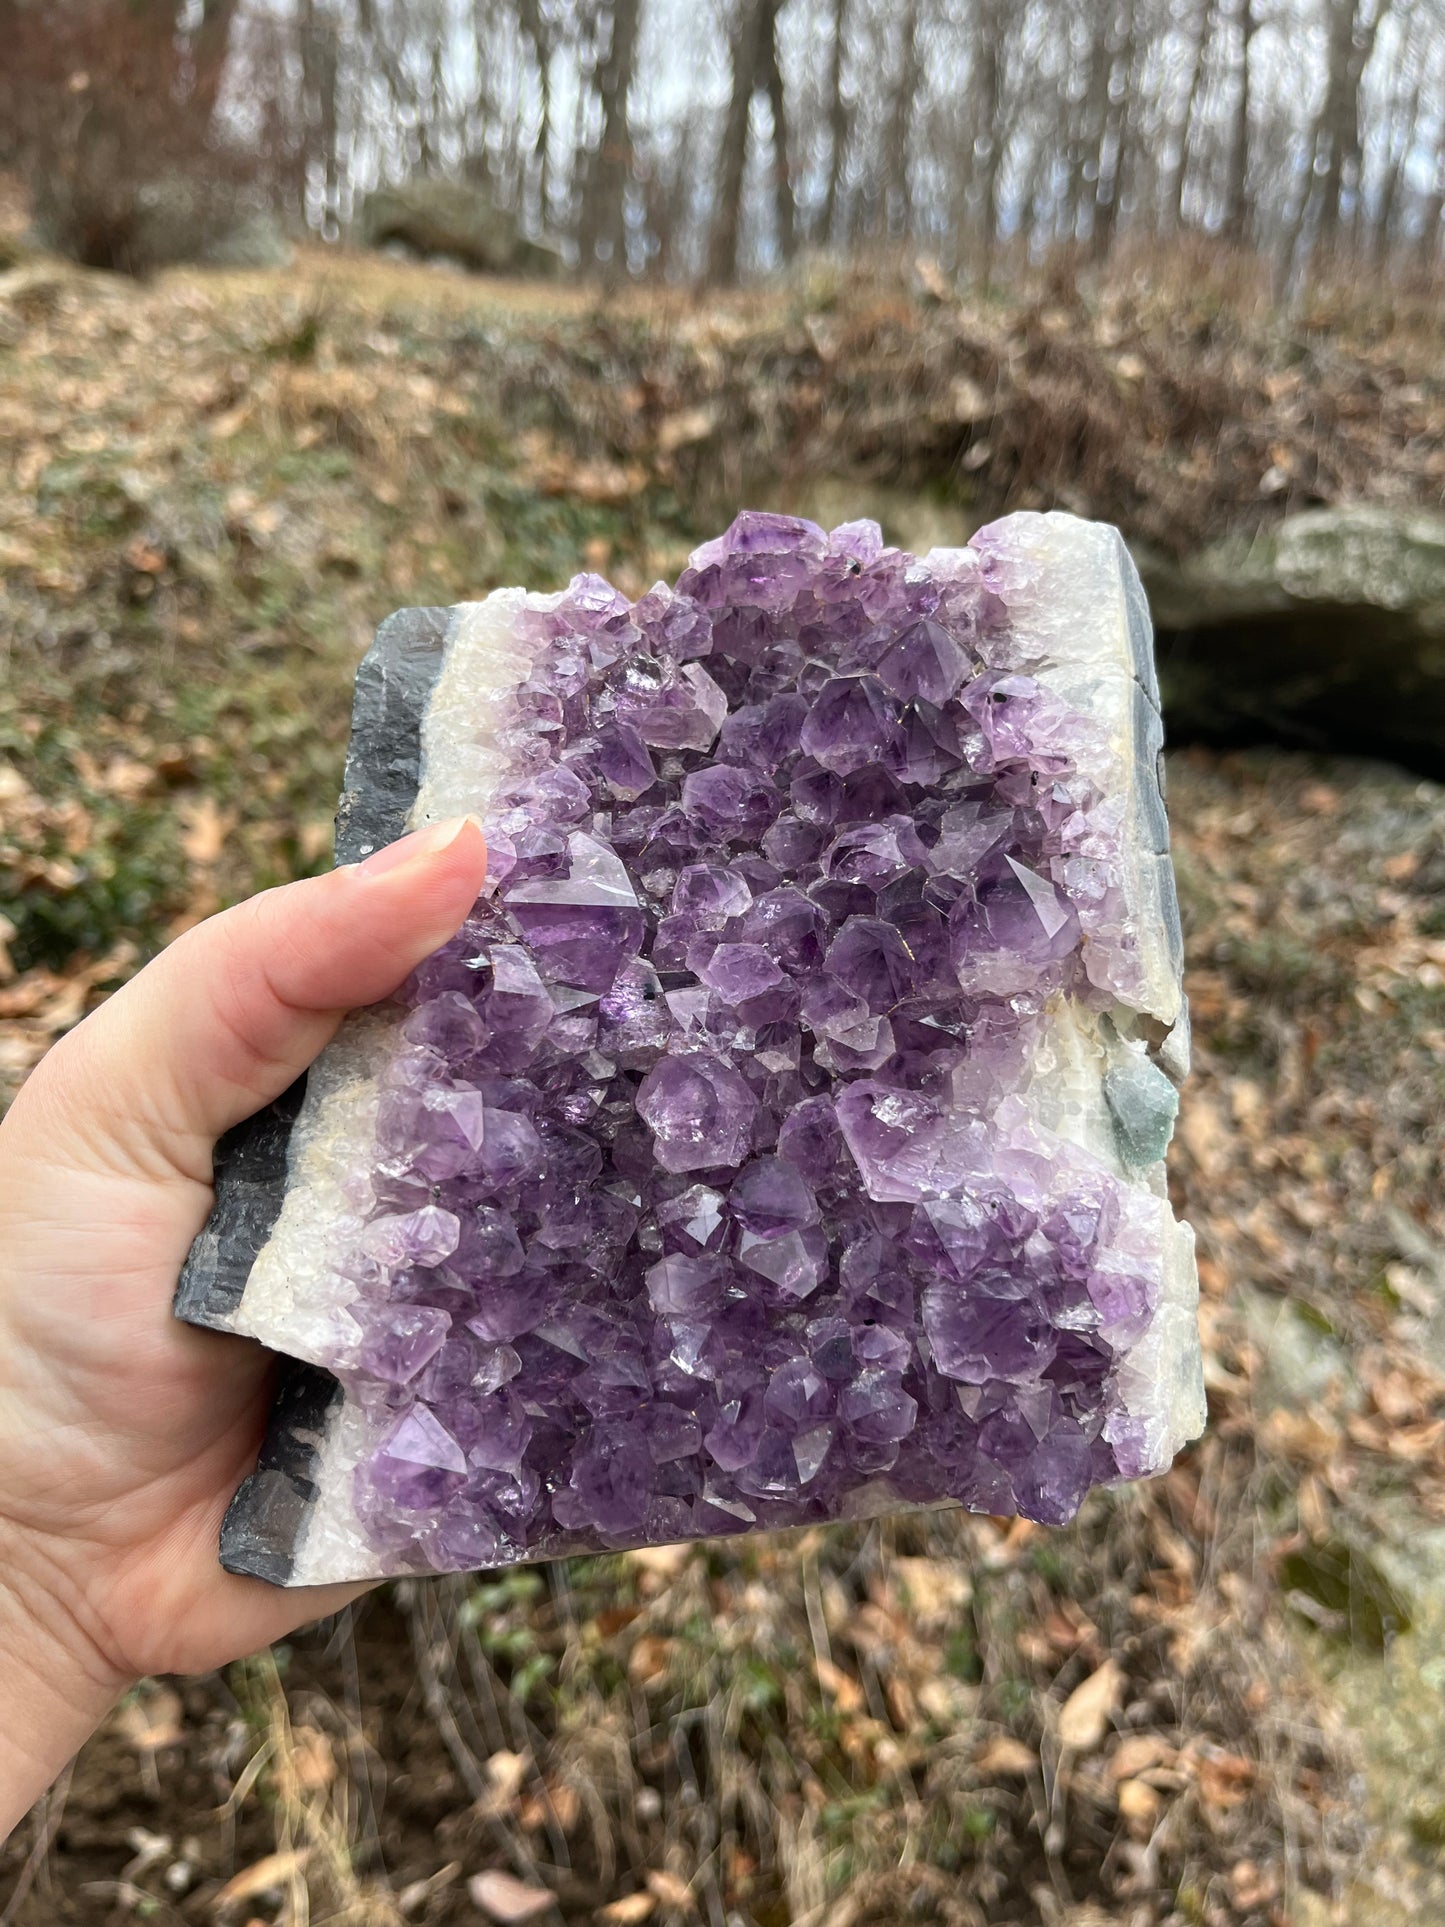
{"x": 123, "y": 1433}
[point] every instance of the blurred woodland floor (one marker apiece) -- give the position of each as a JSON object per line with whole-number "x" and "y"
{"x": 1216, "y": 1699}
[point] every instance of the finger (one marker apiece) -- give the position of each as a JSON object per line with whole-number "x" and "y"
{"x": 232, "y": 1012}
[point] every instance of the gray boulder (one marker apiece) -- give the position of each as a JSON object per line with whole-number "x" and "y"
{"x": 141, "y": 227}
{"x": 454, "y": 219}
{"x": 1325, "y": 632}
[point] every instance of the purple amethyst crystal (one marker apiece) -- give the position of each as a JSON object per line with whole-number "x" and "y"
{"x": 771, "y": 1199}
{"x": 700, "y": 1111}
{"x": 776, "y": 1131}
{"x": 422, "y": 1237}
{"x": 582, "y": 923}
{"x": 418, "y": 1463}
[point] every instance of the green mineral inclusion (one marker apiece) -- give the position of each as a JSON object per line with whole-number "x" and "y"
{"x": 1143, "y": 1104}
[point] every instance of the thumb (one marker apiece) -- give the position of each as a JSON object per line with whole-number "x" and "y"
{"x": 233, "y": 1011}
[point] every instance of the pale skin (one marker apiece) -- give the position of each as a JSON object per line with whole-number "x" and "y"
{"x": 123, "y": 1434}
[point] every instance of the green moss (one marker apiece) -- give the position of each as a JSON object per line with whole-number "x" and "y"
{"x": 759, "y": 1685}
{"x": 1013, "y": 1697}
{"x": 488, "y": 1602}
{"x": 1364, "y": 1608}
{"x": 1427, "y": 1829}
{"x": 961, "y": 1655}
{"x": 1318, "y": 1321}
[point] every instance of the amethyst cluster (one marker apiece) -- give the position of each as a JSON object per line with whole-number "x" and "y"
{"x": 707, "y": 1190}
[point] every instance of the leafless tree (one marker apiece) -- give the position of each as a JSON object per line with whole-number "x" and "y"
{"x": 680, "y": 136}
{"x": 604, "y": 207}
{"x": 837, "y": 118}
{"x": 754, "y": 62}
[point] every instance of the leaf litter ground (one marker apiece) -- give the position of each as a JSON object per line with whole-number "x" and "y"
{"x": 1207, "y": 1703}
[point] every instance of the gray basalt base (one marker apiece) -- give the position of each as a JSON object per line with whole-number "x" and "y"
{"x": 383, "y": 764}
{"x": 290, "y": 1523}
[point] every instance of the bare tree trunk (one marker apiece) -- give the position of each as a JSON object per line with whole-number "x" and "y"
{"x": 755, "y": 22}
{"x": 1334, "y": 127}
{"x": 984, "y": 125}
{"x": 539, "y": 34}
{"x": 1427, "y": 242}
{"x": 12, "y": 84}
{"x": 785, "y": 212}
{"x": 604, "y": 213}
{"x": 1353, "y": 27}
{"x": 318, "y": 81}
{"x": 837, "y": 121}
{"x": 1085, "y": 118}
{"x": 1206, "y": 17}
{"x": 1096, "y": 114}
{"x": 209, "y": 45}
{"x": 897, "y": 177}
{"x": 1402, "y": 144}
{"x": 991, "y": 26}
{"x": 583, "y": 161}
{"x": 430, "y": 115}
{"x": 668, "y": 193}
{"x": 1236, "y": 193}
{"x": 1117, "y": 131}
{"x": 960, "y": 159}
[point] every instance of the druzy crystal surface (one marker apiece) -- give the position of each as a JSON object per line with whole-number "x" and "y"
{"x": 778, "y": 1139}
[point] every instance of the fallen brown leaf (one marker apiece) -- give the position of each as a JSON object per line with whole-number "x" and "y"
{"x": 151, "y": 1720}
{"x": 1205, "y": 1136}
{"x": 1319, "y": 799}
{"x": 936, "y": 1589}
{"x": 1224, "y": 1779}
{"x": 1084, "y": 1715}
{"x": 28, "y": 994}
{"x": 505, "y": 1773}
{"x": 566, "y": 1805}
{"x": 629, "y": 1908}
{"x": 314, "y": 1763}
{"x": 662, "y": 1562}
{"x": 931, "y": 279}
{"x": 679, "y": 431}
{"x": 1136, "y": 1752}
{"x": 264, "y": 1876}
{"x": 415, "y": 1896}
{"x": 127, "y": 779}
{"x": 649, "y": 1660}
{"x": 144, "y": 557}
{"x": 602, "y": 482}
{"x": 1007, "y": 1756}
{"x": 670, "y": 1890}
{"x": 968, "y": 403}
{"x": 1252, "y": 1886}
{"x": 841, "y": 1687}
{"x": 13, "y": 787}
{"x": 505, "y": 1898}
{"x": 205, "y": 829}
{"x": 1139, "y": 1803}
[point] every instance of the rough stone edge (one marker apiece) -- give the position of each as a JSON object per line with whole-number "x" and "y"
{"x": 262, "y": 1523}
{"x": 393, "y": 682}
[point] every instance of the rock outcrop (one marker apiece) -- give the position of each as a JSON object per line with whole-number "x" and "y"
{"x": 1325, "y": 632}
{"x": 461, "y": 222}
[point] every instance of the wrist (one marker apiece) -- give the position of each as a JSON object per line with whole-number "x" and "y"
{"x": 53, "y": 1693}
